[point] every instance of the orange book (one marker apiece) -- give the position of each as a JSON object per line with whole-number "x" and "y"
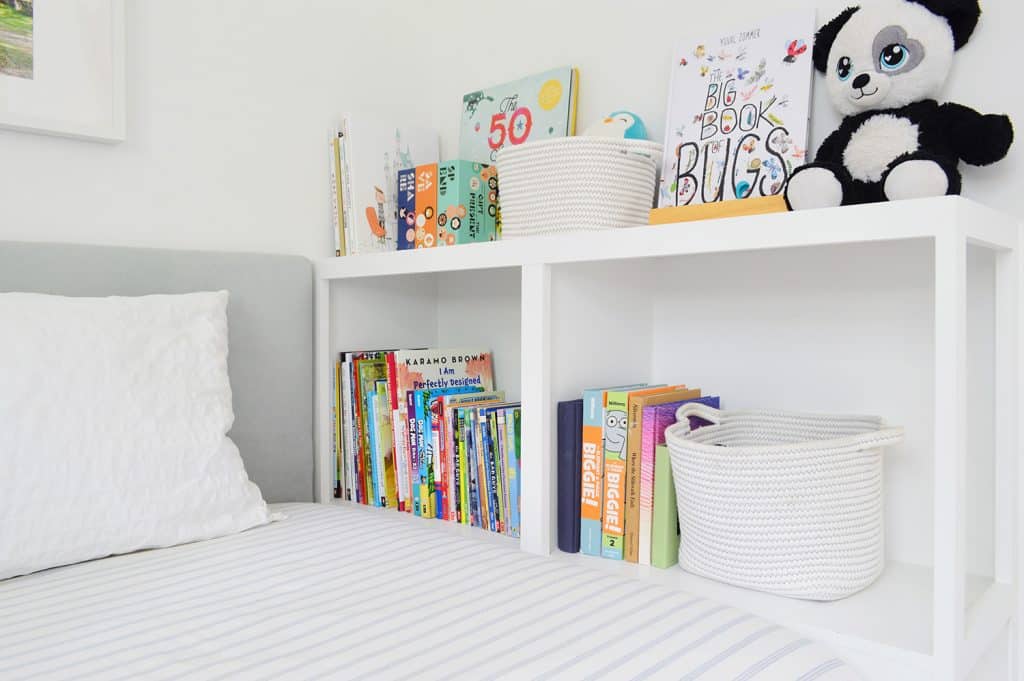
{"x": 636, "y": 403}
{"x": 614, "y": 429}
{"x": 426, "y": 206}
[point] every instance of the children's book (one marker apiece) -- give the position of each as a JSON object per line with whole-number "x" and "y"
{"x": 373, "y": 151}
{"x": 539, "y": 107}
{"x": 406, "y": 235}
{"x": 634, "y": 434}
{"x": 425, "y": 234}
{"x": 592, "y": 469}
{"x": 436, "y": 469}
{"x": 434, "y": 369}
{"x": 655, "y": 420}
{"x": 614, "y": 432}
{"x": 738, "y": 111}
{"x": 514, "y": 464}
{"x": 665, "y": 522}
{"x": 337, "y": 200}
{"x": 467, "y": 203}
{"x": 452, "y": 496}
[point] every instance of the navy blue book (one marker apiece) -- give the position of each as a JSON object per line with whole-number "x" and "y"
{"x": 570, "y": 447}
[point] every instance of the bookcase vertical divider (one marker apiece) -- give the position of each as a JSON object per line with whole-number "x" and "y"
{"x": 538, "y": 468}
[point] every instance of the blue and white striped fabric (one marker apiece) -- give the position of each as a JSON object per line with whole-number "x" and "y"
{"x": 340, "y": 592}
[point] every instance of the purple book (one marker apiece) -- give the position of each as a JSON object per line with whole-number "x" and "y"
{"x": 655, "y": 420}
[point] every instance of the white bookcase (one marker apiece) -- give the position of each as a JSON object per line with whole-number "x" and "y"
{"x": 908, "y": 310}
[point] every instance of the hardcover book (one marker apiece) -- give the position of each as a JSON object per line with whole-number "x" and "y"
{"x": 570, "y": 445}
{"x": 406, "y": 209}
{"x": 614, "y": 431}
{"x": 656, "y": 419}
{"x": 738, "y": 111}
{"x": 539, "y": 107}
{"x": 373, "y": 151}
{"x": 467, "y": 203}
{"x": 634, "y": 434}
{"x": 432, "y": 369}
{"x": 665, "y": 523}
{"x": 425, "y": 235}
{"x": 592, "y": 469}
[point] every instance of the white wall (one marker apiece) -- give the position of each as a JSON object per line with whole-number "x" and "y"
{"x": 229, "y": 103}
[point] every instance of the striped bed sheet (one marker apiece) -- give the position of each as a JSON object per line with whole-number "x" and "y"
{"x": 349, "y": 593}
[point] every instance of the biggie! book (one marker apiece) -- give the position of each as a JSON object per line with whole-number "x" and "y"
{"x": 738, "y": 109}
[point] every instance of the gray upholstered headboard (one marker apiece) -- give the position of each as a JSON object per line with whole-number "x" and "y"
{"x": 270, "y": 318}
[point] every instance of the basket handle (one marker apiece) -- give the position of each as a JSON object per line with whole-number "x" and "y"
{"x": 699, "y": 410}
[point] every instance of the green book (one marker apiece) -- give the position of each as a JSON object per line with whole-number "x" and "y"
{"x": 665, "y": 521}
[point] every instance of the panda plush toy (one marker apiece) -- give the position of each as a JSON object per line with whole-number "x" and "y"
{"x": 884, "y": 65}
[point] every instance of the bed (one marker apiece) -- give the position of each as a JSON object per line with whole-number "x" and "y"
{"x": 335, "y": 590}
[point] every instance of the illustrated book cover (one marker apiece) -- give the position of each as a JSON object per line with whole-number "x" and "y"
{"x": 538, "y": 107}
{"x": 738, "y": 111}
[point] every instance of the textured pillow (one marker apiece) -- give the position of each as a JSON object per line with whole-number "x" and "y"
{"x": 114, "y": 415}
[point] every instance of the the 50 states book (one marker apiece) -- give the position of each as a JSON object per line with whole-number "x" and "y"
{"x": 539, "y": 107}
{"x": 738, "y": 109}
{"x": 432, "y": 369}
{"x": 373, "y": 150}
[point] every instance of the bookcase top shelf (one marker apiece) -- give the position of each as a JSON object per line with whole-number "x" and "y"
{"x": 918, "y": 219}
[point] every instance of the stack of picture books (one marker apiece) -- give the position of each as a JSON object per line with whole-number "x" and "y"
{"x": 425, "y": 432}
{"x": 616, "y": 497}
{"x": 389, "y": 190}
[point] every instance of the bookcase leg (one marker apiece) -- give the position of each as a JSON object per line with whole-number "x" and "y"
{"x": 538, "y": 472}
{"x": 948, "y": 631}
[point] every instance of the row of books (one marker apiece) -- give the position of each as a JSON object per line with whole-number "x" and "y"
{"x": 425, "y": 432}
{"x": 616, "y": 497}
{"x": 390, "y": 191}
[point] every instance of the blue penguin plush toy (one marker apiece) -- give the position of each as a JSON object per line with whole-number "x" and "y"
{"x": 620, "y": 124}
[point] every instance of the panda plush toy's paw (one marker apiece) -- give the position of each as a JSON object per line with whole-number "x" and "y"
{"x": 920, "y": 177}
{"x": 814, "y": 186}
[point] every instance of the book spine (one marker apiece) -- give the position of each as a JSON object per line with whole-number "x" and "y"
{"x": 397, "y": 441}
{"x": 385, "y": 452}
{"x": 347, "y": 429}
{"x": 631, "y": 524}
{"x": 426, "y": 206}
{"x": 500, "y": 467}
{"x": 455, "y": 514}
{"x": 650, "y": 415}
{"x": 481, "y": 467}
{"x": 406, "y": 236}
{"x": 614, "y": 436}
{"x": 592, "y": 474}
{"x": 335, "y": 389}
{"x": 333, "y": 157}
{"x": 493, "y": 488}
{"x": 426, "y": 462}
{"x": 357, "y": 405}
{"x": 371, "y": 419}
{"x": 665, "y": 520}
{"x": 348, "y": 200}
{"x": 515, "y": 468}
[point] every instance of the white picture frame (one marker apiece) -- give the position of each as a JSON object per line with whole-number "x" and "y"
{"x": 77, "y": 85}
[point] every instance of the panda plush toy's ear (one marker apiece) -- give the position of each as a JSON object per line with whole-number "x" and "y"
{"x": 961, "y": 15}
{"x": 826, "y": 35}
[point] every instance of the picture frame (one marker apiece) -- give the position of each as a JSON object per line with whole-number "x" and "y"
{"x": 63, "y": 71}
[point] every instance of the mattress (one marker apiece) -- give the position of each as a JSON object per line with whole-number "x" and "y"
{"x": 351, "y": 593}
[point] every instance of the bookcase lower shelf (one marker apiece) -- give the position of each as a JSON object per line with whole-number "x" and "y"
{"x": 909, "y": 310}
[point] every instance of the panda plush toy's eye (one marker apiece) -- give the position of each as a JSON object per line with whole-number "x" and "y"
{"x": 893, "y": 57}
{"x": 843, "y": 68}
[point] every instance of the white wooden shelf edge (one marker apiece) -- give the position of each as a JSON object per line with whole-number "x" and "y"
{"x": 917, "y": 219}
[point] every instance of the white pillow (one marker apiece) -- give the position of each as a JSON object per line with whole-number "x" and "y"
{"x": 114, "y": 415}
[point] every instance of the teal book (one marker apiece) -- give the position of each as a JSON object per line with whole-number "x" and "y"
{"x": 467, "y": 203}
{"x": 538, "y": 107}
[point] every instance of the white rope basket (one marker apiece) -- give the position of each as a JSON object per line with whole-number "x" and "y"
{"x": 576, "y": 184}
{"x": 785, "y": 503}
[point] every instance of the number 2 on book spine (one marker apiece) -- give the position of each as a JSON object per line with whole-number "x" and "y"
{"x": 510, "y": 132}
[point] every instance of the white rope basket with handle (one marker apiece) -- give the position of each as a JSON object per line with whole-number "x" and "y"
{"x": 576, "y": 184}
{"x": 786, "y": 503}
